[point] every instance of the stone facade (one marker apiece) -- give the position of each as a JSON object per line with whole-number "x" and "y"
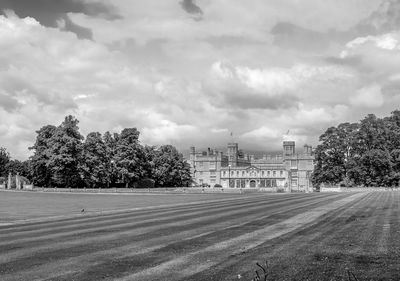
{"x": 288, "y": 172}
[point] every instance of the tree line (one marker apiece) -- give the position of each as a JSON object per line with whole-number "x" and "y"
{"x": 366, "y": 153}
{"x": 62, "y": 157}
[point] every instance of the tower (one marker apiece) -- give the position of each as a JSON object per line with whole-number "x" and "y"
{"x": 192, "y": 154}
{"x": 233, "y": 154}
{"x": 288, "y": 148}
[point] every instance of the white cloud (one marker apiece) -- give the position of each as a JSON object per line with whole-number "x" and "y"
{"x": 167, "y": 132}
{"x": 387, "y": 41}
{"x": 262, "y": 133}
{"x": 370, "y": 97}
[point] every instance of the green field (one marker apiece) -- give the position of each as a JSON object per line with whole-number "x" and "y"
{"x": 200, "y": 237}
{"x": 15, "y": 206}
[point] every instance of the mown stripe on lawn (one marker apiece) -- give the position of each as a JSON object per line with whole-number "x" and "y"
{"x": 128, "y": 224}
{"x": 186, "y": 265}
{"x": 99, "y": 220}
{"x": 91, "y": 243}
{"x": 84, "y": 247}
{"x": 296, "y": 247}
{"x": 128, "y": 263}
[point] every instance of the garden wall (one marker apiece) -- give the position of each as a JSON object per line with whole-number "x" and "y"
{"x": 355, "y": 189}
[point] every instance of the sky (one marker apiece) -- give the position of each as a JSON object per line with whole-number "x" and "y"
{"x": 190, "y": 73}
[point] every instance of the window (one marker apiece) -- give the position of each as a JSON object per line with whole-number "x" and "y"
{"x": 201, "y": 173}
{"x": 262, "y": 173}
{"x": 243, "y": 173}
{"x": 237, "y": 173}
{"x": 281, "y": 173}
{"x": 213, "y": 173}
{"x": 274, "y": 173}
{"x": 201, "y": 164}
{"x": 293, "y": 163}
{"x": 224, "y": 173}
{"x": 212, "y": 165}
{"x": 268, "y": 173}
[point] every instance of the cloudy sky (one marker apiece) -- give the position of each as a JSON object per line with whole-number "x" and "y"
{"x": 188, "y": 72}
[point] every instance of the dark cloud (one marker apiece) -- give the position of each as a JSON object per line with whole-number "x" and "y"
{"x": 291, "y": 36}
{"x": 8, "y": 103}
{"x": 144, "y": 54}
{"x": 49, "y": 12}
{"x": 384, "y": 19}
{"x": 235, "y": 96}
{"x": 231, "y": 40}
{"x": 190, "y": 7}
{"x": 257, "y": 101}
{"x": 355, "y": 60}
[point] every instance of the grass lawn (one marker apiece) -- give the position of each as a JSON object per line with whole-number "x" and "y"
{"x": 17, "y": 205}
{"x": 221, "y": 237}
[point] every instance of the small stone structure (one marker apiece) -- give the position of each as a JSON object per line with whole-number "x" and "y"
{"x": 18, "y": 182}
{"x": 9, "y": 181}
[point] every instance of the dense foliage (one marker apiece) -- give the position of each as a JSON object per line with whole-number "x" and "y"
{"x": 63, "y": 158}
{"x": 8, "y": 165}
{"x": 363, "y": 154}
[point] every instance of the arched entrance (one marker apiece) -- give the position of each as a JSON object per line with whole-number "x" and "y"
{"x": 253, "y": 183}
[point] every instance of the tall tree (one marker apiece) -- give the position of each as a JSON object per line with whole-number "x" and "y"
{"x": 41, "y": 173}
{"x": 65, "y": 153}
{"x": 95, "y": 162}
{"x": 4, "y": 159}
{"x": 169, "y": 169}
{"x": 130, "y": 157}
{"x": 372, "y": 134}
{"x": 110, "y": 141}
{"x": 334, "y": 153}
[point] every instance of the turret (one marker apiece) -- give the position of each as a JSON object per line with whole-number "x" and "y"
{"x": 233, "y": 154}
{"x": 288, "y": 148}
{"x": 192, "y": 153}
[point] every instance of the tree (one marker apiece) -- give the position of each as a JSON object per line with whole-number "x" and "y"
{"x": 130, "y": 157}
{"x": 110, "y": 141}
{"x": 17, "y": 167}
{"x": 41, "y": 173}
{"x": 375, "y": 168}
{"x": 95, "y": 163}
{"x": 372, "y": 134}
{"x": 366, "y": 153}
{"x": 4, "y": 159}
{"x": 169, "y": 169}
{"x": 334, "y": 154}
{"x": 65, "y": 147}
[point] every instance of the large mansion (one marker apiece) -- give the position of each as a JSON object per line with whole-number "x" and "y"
{"x": 289, "y": 171}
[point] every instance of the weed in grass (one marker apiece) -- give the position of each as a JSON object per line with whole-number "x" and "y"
{"x": 351, "y": 276}
{"x": 264, "y": 272}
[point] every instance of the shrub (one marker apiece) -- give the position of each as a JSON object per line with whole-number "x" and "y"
{"x": 217, "y": 185}
{"x": 145, "y": 183}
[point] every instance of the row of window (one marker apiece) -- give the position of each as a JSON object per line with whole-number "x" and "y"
{"x": 211, "y": 164}
{"x": 262, "y": 183}
{"x": 252, "y": 173}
